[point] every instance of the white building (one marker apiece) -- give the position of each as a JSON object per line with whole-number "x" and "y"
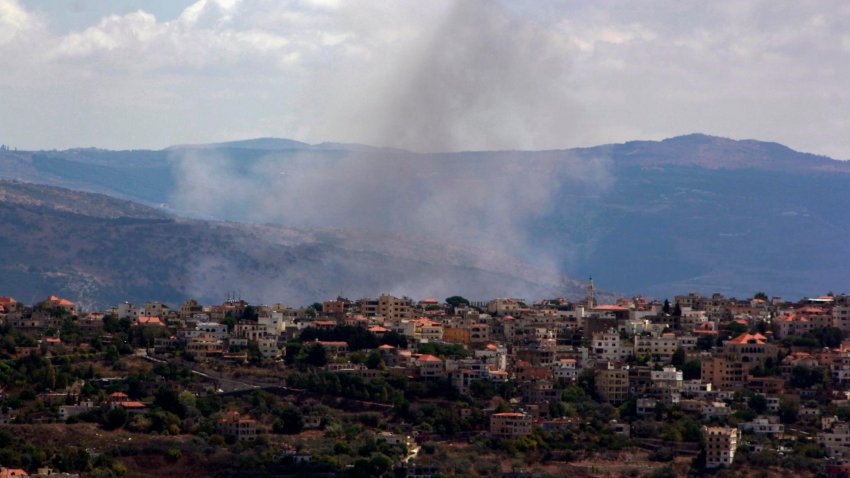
{"x": 608, "y": 346}
{"x": 720, "y": 446}
{"x": 763, "y": 426}
{"x": 564, "y": 370}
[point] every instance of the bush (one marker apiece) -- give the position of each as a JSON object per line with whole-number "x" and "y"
{"x": 662, "y": 454}
{"x": 115, "y": 418}
{"x": 173, "y": 454}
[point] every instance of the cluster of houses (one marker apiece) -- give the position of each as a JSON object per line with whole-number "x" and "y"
{"x": 633, "y": 348}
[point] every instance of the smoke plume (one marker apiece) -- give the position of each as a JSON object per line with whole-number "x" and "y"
{"x": 484, "y": 76}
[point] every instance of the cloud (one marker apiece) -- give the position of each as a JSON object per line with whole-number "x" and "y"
{"x": 13, "y": 20}
{"x": 507, "y": 74}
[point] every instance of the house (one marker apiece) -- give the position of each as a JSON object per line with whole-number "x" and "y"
{"x": 131, "y": 406}
{"x": 565, "y": 370}
{"x": 510, "y": 424}
{"x": 68, "y": 411}
{"x": 430, "y": 366}
{"x": 13, "y": 472}
{"x": 715, "y": 410}
{"x": 836, "y": 440}
{"x": 232, "y": 424}
{"x": 149, "y": 321}
{"x": 60, "y": 303}
{"x": 646, "y": 406}
{"x": 763, "y": 426}
{"x": 720, "y": 446}
{"x": 334, "y": 348}
{"x": 427, "y": 330}
{"x": 268, "y": 348}
{"x": 669, "y": 378}
{"x": 607, "y": 346}
{"x": 205, "y": 346}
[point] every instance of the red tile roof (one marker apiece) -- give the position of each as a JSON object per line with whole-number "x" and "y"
{"x": 9, "y": 472}
{"x": 429, "y": 358}
{"x": 155, "y": 321}
{"x": 612, "y": 308}
{"x": 746, "y": 338}
{"x": 59, "y": 301}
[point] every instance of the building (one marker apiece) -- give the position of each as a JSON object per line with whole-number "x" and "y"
{"x": 393, "y": 308}
{"x": 232, "y": 424}
{"x": 612, "y": 384}
{"x": 720, "y": 446}
{"x": 431, "y": 366}
{"x": 608, "y": 346}
{"x": 667, "y": 378}
{"x": 763, "y": 426}
{"x": 510, "y": 424}
{"x": 565, "y": 370}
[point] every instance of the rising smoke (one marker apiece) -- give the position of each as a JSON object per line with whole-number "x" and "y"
{"x": 484, "y": 77}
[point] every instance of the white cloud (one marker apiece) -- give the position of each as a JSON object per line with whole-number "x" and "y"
{"x": 514, "y": 75}
{"x": 14, "y": 21}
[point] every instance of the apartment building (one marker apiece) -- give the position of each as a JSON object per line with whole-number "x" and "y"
{"x": 608, "y": 346}
{"x": 720, "y": 446}
{"x": 510, "y": 424}
{"x": 612, "y": 384}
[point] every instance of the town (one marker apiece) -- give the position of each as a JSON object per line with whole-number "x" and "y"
{"x": 391, "y": 386}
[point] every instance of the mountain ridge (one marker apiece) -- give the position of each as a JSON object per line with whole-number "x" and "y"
{"x": 694, "y": 212}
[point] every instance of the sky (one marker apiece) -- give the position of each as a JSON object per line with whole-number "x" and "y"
{"x": 427, "y": 76}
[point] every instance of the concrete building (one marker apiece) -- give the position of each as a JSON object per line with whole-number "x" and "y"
{"x": 612, "y": 384}
{"x": 510, "y": 425}
{"x": 232, "y": 424}
{"x": 720, "y": 446}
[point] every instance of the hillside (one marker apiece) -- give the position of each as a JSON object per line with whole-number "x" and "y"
{"x": 101, "y": 251}
{"x": 693, "y": 212}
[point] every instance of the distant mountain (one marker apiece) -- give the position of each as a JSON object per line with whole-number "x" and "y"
{"x": 102, "y": 251}
{"x": 694, "y": 212}
{"x": 265, "y": 144}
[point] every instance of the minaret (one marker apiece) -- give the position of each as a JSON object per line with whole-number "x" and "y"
{"x": 591, "y": 302}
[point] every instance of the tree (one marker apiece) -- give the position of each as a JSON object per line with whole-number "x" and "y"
{"x": 679, "y": 357}
{"x": 587, "y": 382}
{"x": 760, "y": 295}
{"x": 802, "y": 377}
{"x": 374, "y": 360}
{"x": 705, "y": 342}
{"x": 317, "y": 356}
{"x": 115, "y": 418}
{"x": 169, "y": 400}
{"x": 829, "y": 336}
{"x": 758, "y": 403}
{"x": 737, "y": 329}
{"x": 692, "y": 370}
{"x": 788, "y": 410}
{"x": 291, "y": 421}
{"x": 666, "y": 308}
{"x": 457, "y": 301}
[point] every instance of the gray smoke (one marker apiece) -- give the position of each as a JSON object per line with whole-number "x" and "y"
{"x": 484, "y": 77}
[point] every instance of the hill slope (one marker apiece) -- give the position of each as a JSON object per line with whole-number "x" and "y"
{"x": 101, "y": 251}
{"x": 694, "y": 212}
